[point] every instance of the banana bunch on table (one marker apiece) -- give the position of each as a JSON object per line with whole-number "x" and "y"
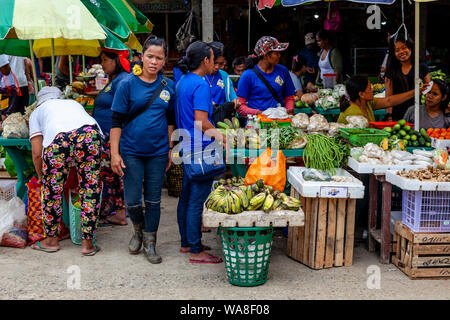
{"x": 236, "y": 197}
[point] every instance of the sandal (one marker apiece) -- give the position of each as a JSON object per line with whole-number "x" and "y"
{"x": 205, "y": 230}
{"x": 209, "y": 259}
{"x": 205, "y": 248}
{"x": 38, "y": 243}
{"x": 93, "y": 252}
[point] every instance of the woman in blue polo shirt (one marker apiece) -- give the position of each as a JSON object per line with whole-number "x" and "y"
{"x": 117, "y": 69}
{"x": 219, "y": 82}
{"x": 254, "y": 95}
{"x": 193, "y": 115}
{"x": 144, "y": 143}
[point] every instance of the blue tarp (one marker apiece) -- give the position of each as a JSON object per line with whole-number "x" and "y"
{"x": 290, "y": 3}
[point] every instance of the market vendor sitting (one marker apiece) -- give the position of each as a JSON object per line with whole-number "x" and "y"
{"x": 268, "y": 83}
{"x": 432, "y": 114}
{"x": 360, "y": 101}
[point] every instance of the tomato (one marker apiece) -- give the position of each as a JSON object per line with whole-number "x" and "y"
{"x": 441, "y": 138}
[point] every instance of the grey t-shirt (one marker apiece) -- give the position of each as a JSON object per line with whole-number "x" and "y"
{"x": 441, "y": 121}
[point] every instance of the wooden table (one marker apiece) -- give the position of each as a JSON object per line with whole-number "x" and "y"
{"x": 383, "y": 235}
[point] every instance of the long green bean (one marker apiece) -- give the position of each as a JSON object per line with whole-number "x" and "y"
{"x": 322, "y": 153}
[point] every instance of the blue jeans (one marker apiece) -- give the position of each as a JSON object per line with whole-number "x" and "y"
{"x": 147, "y": 172}
{"x": 189, "y": 211}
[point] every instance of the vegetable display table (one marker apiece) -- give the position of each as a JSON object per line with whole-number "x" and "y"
{"x": 378, "y": 175}
{"x": 240, "y": 169}
{"x": 13, "y": 147}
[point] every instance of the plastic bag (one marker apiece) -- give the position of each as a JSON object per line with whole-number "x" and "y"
{"x": 316, "y": 175}
{"x": 318, "y": 123}
{"x": 357, "y": 122}
{"x": 300, "y": 120}
{"x": 356, "y": 152}
{"x": 272, "y": 172}
{"x": 440, "y": 158}
{"x": 371, "y": 150}
{"x": 13, "y": 223}
{"x": 15, "y": 127}
{"x": 402, "y": 155}
{"x": 276, "y": 113}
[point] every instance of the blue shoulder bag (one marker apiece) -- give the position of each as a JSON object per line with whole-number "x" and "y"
{"x": 205, "y": 164}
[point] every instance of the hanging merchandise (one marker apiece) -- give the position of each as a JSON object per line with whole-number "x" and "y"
{"x": 187, "y": 33}
{"x": 333, "y": 21}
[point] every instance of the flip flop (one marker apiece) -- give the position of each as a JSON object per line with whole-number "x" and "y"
{"x": 205, "y": 248}
{"x": 92, "y": 253}
{"x": 38, "y": 243}
{"x": 209, "y": 259}
{"x": 104, "y": 224}
{"x": 205, "y": 230}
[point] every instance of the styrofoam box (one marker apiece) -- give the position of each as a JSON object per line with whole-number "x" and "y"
{"x": 325, "y": 189}
{"x": 440, "y": 143}
{"x": 364, "y": 167}
{"x": 282, "y": 218}
{"x": 415, "y": 185}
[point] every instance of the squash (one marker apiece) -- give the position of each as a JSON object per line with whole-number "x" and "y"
{"x": 310, "y": 98}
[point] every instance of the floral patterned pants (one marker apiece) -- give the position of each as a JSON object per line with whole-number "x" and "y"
{"x": 112, "y": 195}
{"x": 81, "y": 148}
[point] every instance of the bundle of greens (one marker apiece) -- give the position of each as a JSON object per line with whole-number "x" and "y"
{"x": 325, "y": 153}
{"x": 285, "y": 136}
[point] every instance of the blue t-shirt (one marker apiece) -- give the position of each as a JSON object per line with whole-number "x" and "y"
{"x": 177, "y": 74}
{"x": 217, "y": 87}
{"x": 193, "y": 94}
{"x": 147, "y": 134}
{"x": 102, "y": 105}
{"x": 256, "y": 93}
{"x": 312, "y": 61}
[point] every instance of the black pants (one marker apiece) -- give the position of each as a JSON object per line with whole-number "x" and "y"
{"x": 21, "y": 101}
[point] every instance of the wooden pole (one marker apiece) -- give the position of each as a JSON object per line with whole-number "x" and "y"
{"x": 249, "y": 25}
{"x": 33, "y": 68}
{"x": 70, "y": 69}
{"x": 207, "y": 20}
{"x": 53, "y": 62}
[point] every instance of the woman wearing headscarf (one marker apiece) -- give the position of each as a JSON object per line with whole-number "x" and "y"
{"x": 63, "y": 134}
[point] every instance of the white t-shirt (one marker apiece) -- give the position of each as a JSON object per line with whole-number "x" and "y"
{"x": 325, "y": 65}
{"x": 56, "y": 116}
{"x": 296, "y": 81}
{"x": 17, "y": 65}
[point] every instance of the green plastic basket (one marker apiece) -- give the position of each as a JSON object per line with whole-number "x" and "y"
{"x": 267, "y": 125}
{"x": 247, "y": 254}
{"x": 75, "y": 222}
{"x": 361, "y": 137}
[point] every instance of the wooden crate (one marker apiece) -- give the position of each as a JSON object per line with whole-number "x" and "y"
{"x": 327, "y": 238}
{"x": 422, "y": 255}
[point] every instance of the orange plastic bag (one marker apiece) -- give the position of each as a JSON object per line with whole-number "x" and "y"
{"x": 272, "y": 172}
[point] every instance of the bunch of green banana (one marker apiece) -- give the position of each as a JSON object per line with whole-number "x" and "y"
{"x": 229, "y": 124}
{"x": 257, "y": 201}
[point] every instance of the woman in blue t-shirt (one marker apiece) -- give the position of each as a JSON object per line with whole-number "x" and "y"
{"x": 193, "y": 115}
{"x": 143, "y": 132}
{"x": 112, "y": 195}
{"x": 254, "y": 95}
{"x": 221, "y": 85}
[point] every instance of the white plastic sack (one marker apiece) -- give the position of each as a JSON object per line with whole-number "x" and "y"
{"x": 15, "y": 127}
{"x": 300, "y": 120}
{"x": 318, "y": 123}
{"x": 12, "y": 211}
{"x": 359, "y": 122}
